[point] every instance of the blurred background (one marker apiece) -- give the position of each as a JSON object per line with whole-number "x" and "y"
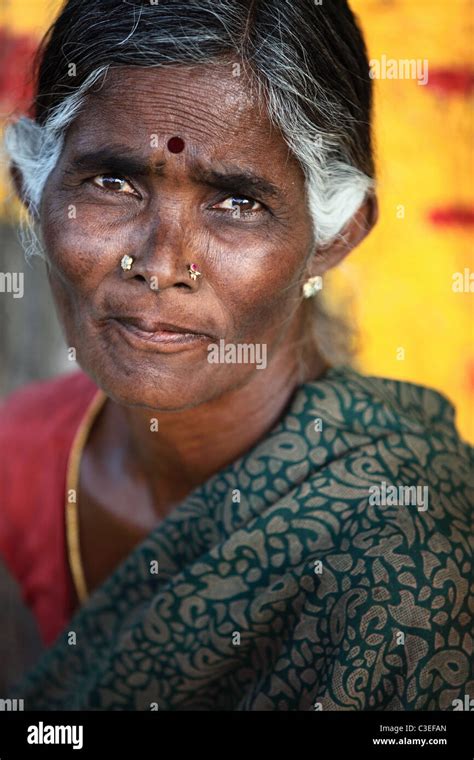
{"x": 407, "y": 287}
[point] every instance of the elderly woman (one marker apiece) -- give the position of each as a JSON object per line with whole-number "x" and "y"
{"x": 210, "y": 514}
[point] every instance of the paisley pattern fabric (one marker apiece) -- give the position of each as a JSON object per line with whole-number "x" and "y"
{"x": 281, "y": 583}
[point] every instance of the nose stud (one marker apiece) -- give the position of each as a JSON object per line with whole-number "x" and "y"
{"x": 193, "y": 271}
{"x": 126, "y": 262}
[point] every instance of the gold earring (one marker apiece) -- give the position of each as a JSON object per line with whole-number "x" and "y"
{"x": 193, "y": 271}
{"x": 312, "y": 286}
{"x": 126, "y": 262}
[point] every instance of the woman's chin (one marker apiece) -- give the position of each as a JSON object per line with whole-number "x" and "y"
{"x": 157, "y": 391}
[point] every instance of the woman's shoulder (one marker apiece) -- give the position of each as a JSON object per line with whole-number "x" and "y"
{"x": 421, "y": 401}
{"x": 407, "y": 431}
{"x": 352, "y": 402}
{"x": 389, "y": 453}
{"x": 37, "y": 426}
{"x": 36, "y": 411}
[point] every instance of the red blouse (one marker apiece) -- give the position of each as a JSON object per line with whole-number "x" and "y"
{"x": 37, "y": 428}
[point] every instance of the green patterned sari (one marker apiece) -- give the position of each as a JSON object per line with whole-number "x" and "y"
{"x": 328, "y": 568}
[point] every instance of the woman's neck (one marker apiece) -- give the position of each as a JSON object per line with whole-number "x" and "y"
{"x": 193, "y": 444}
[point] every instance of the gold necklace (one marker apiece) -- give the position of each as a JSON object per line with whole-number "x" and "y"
{"x": 72, "y": 483}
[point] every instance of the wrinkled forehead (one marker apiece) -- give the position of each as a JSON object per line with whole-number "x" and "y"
{"x": 212, "y": 108}
{"x": 213, "y": 116}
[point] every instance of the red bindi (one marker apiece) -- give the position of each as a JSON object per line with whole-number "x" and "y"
{"x": 175, "y": 144}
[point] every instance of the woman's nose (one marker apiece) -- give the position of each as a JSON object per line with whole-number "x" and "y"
{"x": 163, "y": 263}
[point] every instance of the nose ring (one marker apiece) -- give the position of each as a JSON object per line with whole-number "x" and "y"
{"x": 193, "y": 271}
{"x": 126, "y": 262}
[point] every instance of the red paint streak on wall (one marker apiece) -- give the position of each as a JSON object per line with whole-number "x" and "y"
{"x": 451, "y": 81}
{"x": 470, "y": 374}
{"x": 452, "y": 216}
{"x": 16, "y": 78}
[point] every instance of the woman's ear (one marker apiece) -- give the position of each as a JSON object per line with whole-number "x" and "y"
{"x": 356, "y": 229}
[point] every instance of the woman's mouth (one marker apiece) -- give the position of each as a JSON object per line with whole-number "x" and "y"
{"x": 160, "y": 336}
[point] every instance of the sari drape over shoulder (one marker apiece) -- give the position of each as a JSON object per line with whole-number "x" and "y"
{"x": 303, "y": 576}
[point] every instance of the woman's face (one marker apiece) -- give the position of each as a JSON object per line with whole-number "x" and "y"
{"x": 231, "y": 201}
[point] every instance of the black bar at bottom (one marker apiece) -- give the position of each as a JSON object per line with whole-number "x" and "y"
{"x": 152, "y": 734}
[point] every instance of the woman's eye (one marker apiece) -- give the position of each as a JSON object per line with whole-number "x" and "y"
{"x": 239, "y": 205}
{"x": 113, "y": 183}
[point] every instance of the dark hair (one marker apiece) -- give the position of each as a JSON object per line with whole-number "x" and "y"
{"x": 323, "y": 39}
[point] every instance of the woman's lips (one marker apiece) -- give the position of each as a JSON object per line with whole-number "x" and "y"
{"x": 157, "y": 338}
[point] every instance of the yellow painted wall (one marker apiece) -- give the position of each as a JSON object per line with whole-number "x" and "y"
{"x": 400, "y": 279}
{"x": 32, "y": 16}
{"x": 402, "y": 274}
